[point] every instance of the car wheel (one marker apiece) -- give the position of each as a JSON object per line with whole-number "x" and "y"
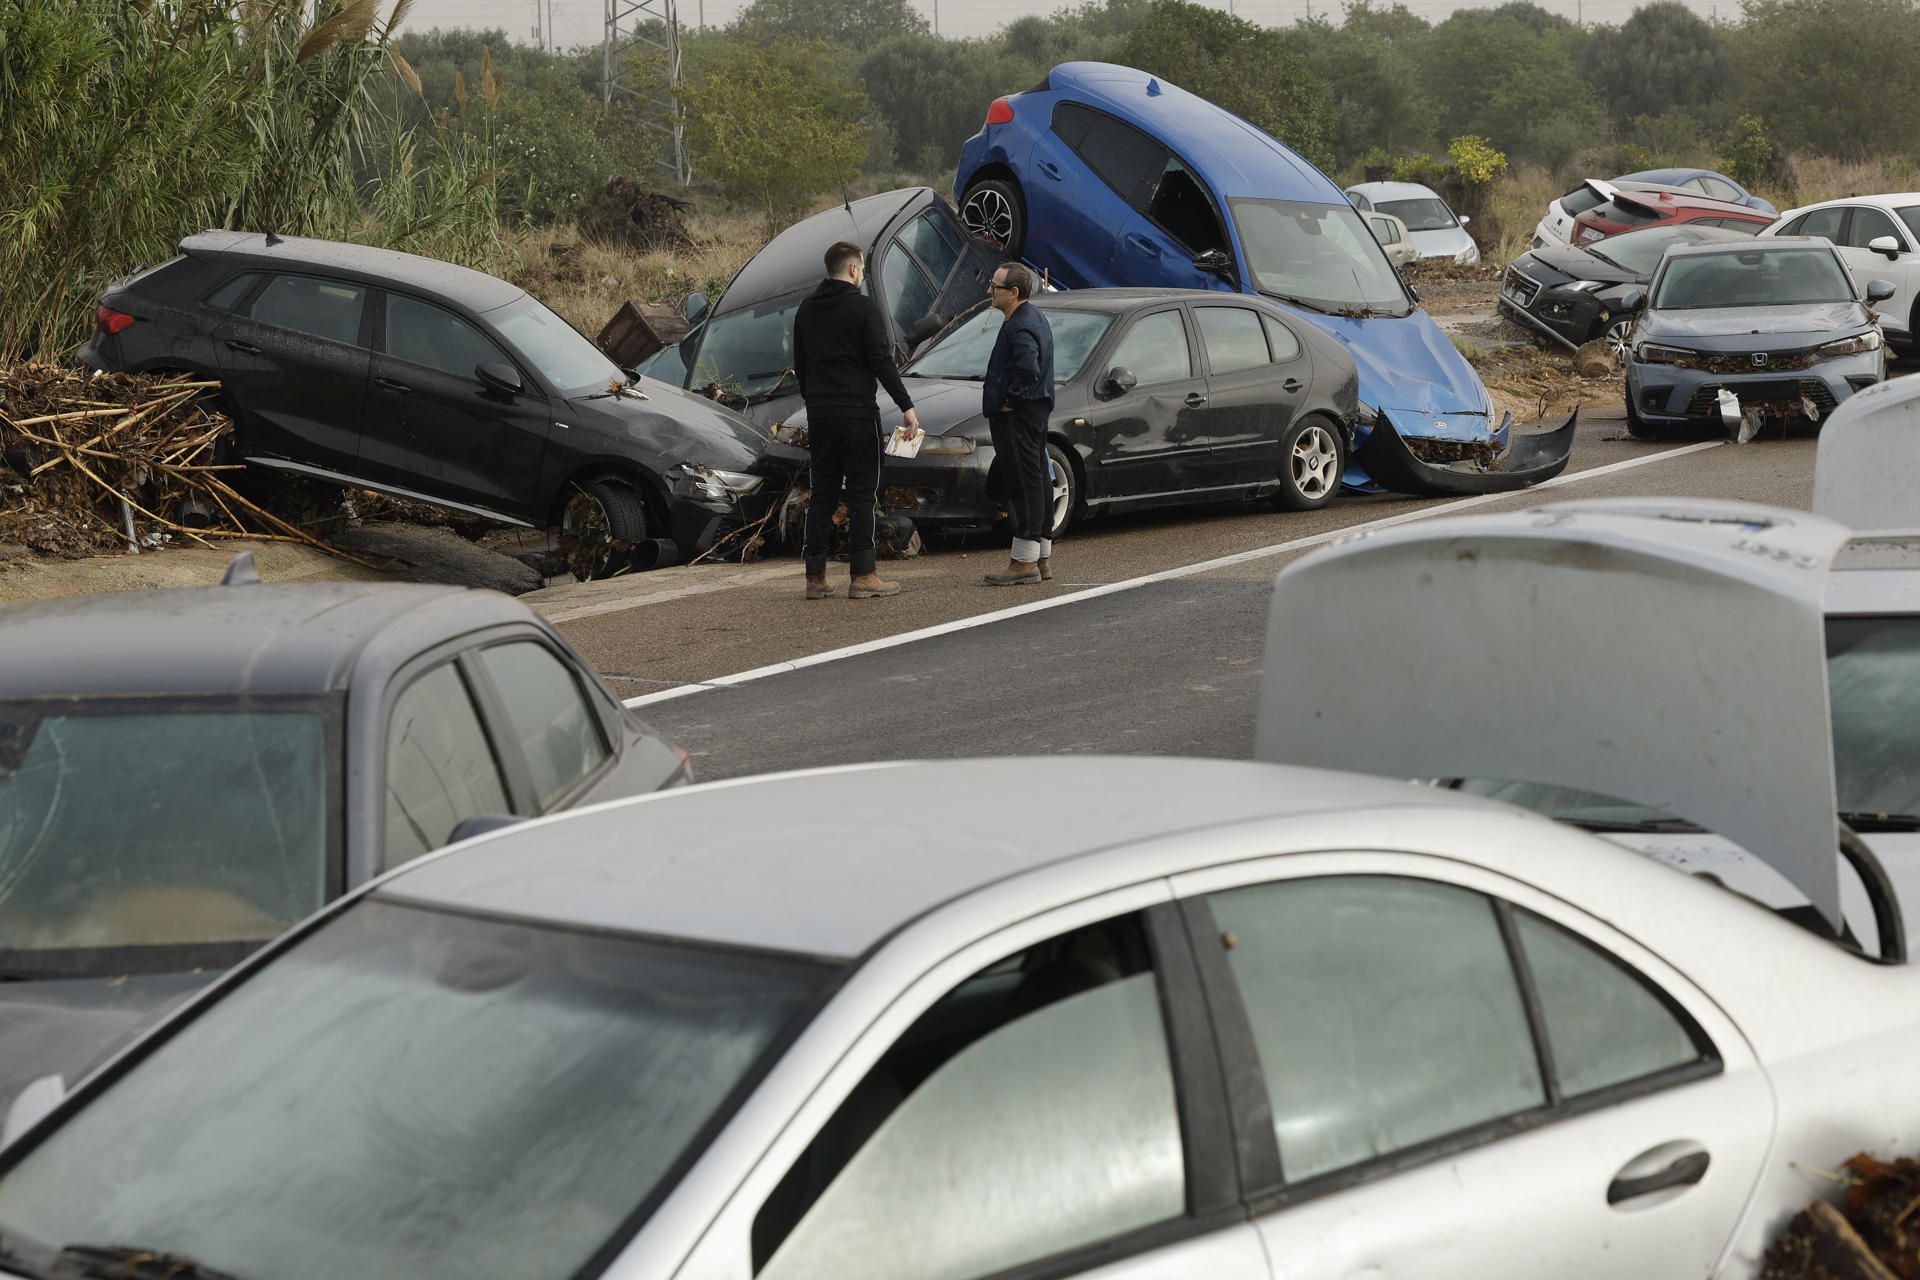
{"x": 1063, "y": 485}
{"x": 1638, "y": 427}
{"x": 992, "y": 208}
{"x": 1312, "y": 459}
{"x": 1615, "y": 336}
{"x": 598, "y": 527}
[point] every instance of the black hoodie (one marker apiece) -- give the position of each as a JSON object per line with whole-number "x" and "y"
{"x": 839, "y": 348}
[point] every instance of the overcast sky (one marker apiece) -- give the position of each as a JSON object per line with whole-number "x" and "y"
{"x": 577, "y": 22}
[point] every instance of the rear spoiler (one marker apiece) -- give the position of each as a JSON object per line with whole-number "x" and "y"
{"x": 1663, "y": 651}
{"x": 1868, "y": 457}
{"x": 1631, "y": 200}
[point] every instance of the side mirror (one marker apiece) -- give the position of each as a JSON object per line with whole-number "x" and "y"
{"x": 1213, "y": 260}
{"x": 479, "y": 824}
{"x": 1879, "y": 290}
{"x": 694, "y": 307}
{"x": 1885, "y": 244}
{"x": 1464, "y": 219}
{"x": 925, "y": 328}
{"x": 499, "y": 377}
{"x": 30, "y": 1104}
{"x": 1633, "y": 301}
{"x": 1119, "y": 381}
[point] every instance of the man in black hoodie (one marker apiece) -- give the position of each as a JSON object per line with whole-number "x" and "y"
{"x": 840, "y": 350}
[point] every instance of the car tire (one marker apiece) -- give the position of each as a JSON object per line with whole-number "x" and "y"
{"x": 599, "y": 524}
{"x": 1064, "y": 488}
{"x": 993, "y": 209}
{"x": 1312, "y": 459}
{"x": 1638, "y": 427}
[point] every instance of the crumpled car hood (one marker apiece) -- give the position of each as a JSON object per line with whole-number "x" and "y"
{"x": 1734, "y": 328}
{"x": 945, "y": 405}
{"x": 1406, "y": 363}
{"x": 677, "y": 421}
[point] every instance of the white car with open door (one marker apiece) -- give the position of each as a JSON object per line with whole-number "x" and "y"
{"x": 1878, "y": 238}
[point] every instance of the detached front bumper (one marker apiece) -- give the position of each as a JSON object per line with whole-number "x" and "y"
{"x": 1501, "y": 463}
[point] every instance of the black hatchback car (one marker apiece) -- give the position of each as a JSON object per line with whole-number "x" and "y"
{"x": 409, "y": 376}
{"x": 1162, "y": 396}
{"x": 185, "y": 773}
{"x": 922, "y": 264}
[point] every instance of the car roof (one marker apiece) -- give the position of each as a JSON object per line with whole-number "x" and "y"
{"x": 1231, "y": 155}
{"x": 792, "y": 260}
{"x": 1663, "y": 200}
{"x": 1394, "y": 191}
{"x": 475, "y": 290}
{"x": 1885, "y": 200}
{"x": 255, "y": 638}
{"x": 1116, "y": 300}
{"x": 1674, "y": 176}
{"x": 830, "y": 862}
{"x": 1752, "y": 244}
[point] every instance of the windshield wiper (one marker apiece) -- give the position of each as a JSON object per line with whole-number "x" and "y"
{"x": 1651, "y": 826}
{"x": 1882, "y": 821}
{"x": 1604, "y": 258}
{"x": 130, "y": 1262}
{"x": 1299, "y": 302}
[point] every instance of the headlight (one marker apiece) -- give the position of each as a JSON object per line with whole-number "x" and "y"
{"x": 710, "y": 482}
{"x": 948, "y": 444}
{"x": 1587, "y": 286}
{"x": 1467, "y": 256}
{"x": 1859, "y": 342}
{"x": 1653, "y": 353}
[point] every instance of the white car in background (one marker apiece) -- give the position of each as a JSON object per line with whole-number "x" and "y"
{"x": 1878, "y": 238}
{"x": 1436, "y": 230}
{"x": 1555, "y": 228}
{"x": 1393, "y": 238}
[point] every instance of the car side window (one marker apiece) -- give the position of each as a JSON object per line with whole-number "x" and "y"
{"x": 1383, "y": 231}
{"x": 909, "y": 294}
{"x": 1029, "y": 1112}
{"x": 1154, "y": 350}
{"x": 1232, "y": 337}
{"x": 934, "y": 243}
{"x": 228, "y": 296}
{"x": 1361, "y": 202}
{"x": 1071, "y": 120}
{"x": 1868, "y": 225}
{"x": 324, "y": 308}
{"x": 1280, "y": 339}
{"x": 440, "y": 767}
{"x": 1385, "y": 1012}
{"x": 1121, "y": 155}
{"x": 1720, "y": 190}
{"x": 557, "y": 729}
{"x": 1180, "y": 206}
{"x": 1822, "y": 222}
{"x": 1698, "y": 185}
{"x": 421, "y": 333}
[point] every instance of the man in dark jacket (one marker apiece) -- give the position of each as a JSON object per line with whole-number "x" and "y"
{"x": 840, "y": 349}
{"x": 1017, "y": 397}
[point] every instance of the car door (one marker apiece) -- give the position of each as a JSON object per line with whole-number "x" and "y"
{"x": 433, "y": 427}
{"x": 535, "y": 700}
{"x": 1865, "y": 265}
{"x": 1045, "y": 1102}
{"x": 907, "y": 294}
{"x": 1171, "y": 220}
{"x": 294, "y": 362}
{"x": 439, "y": 766}
{"x": 1465, "y": 1077}
{"x": 1253, "y": 391}
{"x": 1085, "y": 171}
{"x": 958, "y": 265}
{"x": 1149, "y": 439}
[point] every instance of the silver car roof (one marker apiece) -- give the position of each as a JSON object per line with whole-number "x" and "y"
{"x": 1665, "y": 651}
{"x": 1868, "y": 457}
{"x": 829, "y": 862}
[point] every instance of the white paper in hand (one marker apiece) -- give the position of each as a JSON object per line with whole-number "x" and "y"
{"x": 898, "y": 446}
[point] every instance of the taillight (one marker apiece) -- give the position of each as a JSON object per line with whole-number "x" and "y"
{"x": 1000, "y": 112}
{"x": 107, "y": 320}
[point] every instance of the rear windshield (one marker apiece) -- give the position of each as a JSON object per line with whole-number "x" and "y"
{"x": 963, "y": 352}
{"x": 1751, "y": 278}
{"x": 1640, "y": 251}
{"x": 1624, "y": 215}
{"x": 130, "y": 839}
{"x": 1579, "y": 200}
{"x": 410, "y": 1093}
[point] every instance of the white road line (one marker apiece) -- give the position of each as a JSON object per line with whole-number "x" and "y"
{"x": 1165, "y": 575}
{"x": 559, "y": 611}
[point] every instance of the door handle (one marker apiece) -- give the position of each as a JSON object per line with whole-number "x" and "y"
{"x": 1671, "y": 1164}
{"x": 1144, "y": 245}
{"x": 1292, "y": 384}
{"x": 1049, "y": 168}
{"x": 391, "y": 385}
{"x": 234, "y": 344}
{"x": 1195, "y": 399}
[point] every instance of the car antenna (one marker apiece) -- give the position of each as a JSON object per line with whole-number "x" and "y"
{"x": 272, "y": 240}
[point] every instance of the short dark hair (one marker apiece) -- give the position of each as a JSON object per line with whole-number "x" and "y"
{"x": 1019, "y": 279}
{"x": 842, "y": 255}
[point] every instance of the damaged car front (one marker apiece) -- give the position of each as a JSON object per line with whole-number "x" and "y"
{"x": 1741, "y": 335}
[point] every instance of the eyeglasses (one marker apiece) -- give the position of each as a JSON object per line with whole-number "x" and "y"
{"x": 997, "y": 285}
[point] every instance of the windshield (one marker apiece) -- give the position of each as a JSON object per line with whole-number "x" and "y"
{"x": 1751, "y": 278}
{"x": 412, "y": 1093}
{"x": 1320, "y": 255}
{"x": 963, "y": 352}
{"x": 558, "y": 350}
{"x": 750, "y": 352}
{"x": 131, "y": 839}
{"x": 1640, "y": 251}
{"x": 1426, "y": 214}
{"x": 1911, "y": 216}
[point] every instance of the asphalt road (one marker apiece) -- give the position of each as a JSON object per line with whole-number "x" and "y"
{"x": 953, "y": 668}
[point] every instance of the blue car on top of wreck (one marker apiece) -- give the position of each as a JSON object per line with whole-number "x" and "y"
{"x": 1103, "y": 175}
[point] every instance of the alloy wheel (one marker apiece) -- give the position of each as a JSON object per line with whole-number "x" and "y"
{"x": 1616, "y": 338}
{"x": 586, "y": 536}
{"x": 1315, "y": 462}
{"x": 989, "y": 213}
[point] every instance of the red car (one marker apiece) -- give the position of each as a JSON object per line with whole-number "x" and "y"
{"x": 1630, "y": 209}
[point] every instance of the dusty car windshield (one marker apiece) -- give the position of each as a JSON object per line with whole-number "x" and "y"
{"x": 562, "y": 355}
{"x": 1751, "y": 278}
{"x": 160, "y": 830}
{"x": 1320, "y": 255}
{"x": 1425, "y": 214}
{"x": 963, "y": 352}
{"x": 1640, "y": 251}
{"x": 750, "y": 352}
{"x": 408, "y": 1092}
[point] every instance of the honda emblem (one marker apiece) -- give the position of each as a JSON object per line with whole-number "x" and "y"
{"x": 1759, "y": 359}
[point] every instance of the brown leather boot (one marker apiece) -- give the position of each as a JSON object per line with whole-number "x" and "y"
{"x": 818, "y": 589}
{"x": 870, "y": 584}
{"x": 1046, "y": 568}
{"x": 1016, "y": 572}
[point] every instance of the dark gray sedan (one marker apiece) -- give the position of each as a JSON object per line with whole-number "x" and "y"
{"x": 183, "y": 774}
